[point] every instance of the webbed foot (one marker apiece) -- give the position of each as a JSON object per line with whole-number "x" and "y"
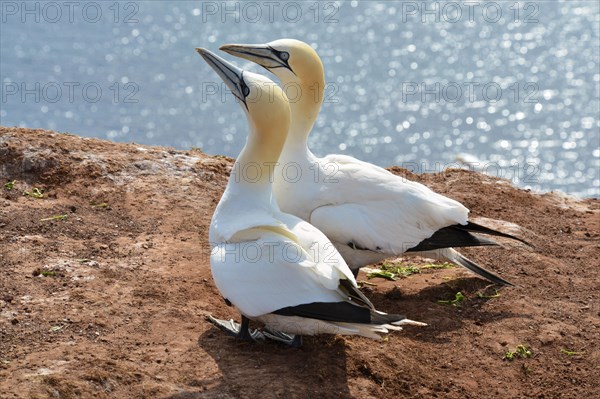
{"x": 294, "y": 341}
{"x": 240, "y": 331}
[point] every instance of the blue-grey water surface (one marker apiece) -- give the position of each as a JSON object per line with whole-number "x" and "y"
{"x": 511, "y": 86}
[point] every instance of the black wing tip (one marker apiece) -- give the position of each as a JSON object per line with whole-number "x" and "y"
{"x": 341, "y": 312}
{"x": 329, "y": 311}
{"x": 504, "y": 283}
{"x": 385, "y": 318}
{"x": 475, "y": 268}
{"x": 452, "y": 236}
{"x": 478, "y": 228}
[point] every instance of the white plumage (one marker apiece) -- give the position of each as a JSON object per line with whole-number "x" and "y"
{"x": 369, "y": 213}
{"x": 272, "y": 266}
{"x": 269, "y": 266}
{"x": 368, "y": 206}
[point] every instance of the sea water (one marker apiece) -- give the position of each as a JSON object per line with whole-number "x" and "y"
{"x": 510, "y": 88}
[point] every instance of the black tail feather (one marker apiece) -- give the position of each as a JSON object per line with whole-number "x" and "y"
{"x": 354, "y": 294}
{"x": 378, "y": 318}
{"x": 475, "y": 268}
{"x": 458, "y": 235}
{"x": 477, "y": 228}
{"x": 451, "y": 236}
{"x": 339, "y": 312}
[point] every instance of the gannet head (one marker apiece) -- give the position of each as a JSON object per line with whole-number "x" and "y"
{"x": 300, "y": 70}
{"x": 292, "y": 61}
{"x": 264, "y": 102}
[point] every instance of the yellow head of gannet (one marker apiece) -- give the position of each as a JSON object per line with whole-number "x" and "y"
{"x": 267, "y": 110}
{"x": 300, "y": 70}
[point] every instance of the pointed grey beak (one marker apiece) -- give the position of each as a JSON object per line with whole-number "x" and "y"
{"x": 231, "y": 75}
{"x": 262, "y": 54}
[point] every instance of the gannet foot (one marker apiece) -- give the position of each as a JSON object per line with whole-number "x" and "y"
{"x": 291, "y": 340}
{"x": 236, "y": 330}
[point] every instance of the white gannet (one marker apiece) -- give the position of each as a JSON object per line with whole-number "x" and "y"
{"x": 369, "y": 213}
{"x": 274, "y": 267}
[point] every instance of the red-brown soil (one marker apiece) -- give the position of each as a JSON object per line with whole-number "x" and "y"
{"x": 110, "y": 302}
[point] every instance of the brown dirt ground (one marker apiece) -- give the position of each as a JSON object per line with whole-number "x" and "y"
{"x": 111, "y": 301}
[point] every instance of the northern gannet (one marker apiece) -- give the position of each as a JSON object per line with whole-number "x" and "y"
{"x": 276, "y": 268}
{"x": 368, "y": 213}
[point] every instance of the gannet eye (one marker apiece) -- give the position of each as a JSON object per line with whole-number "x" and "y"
{"x": 284, "y": 55}
{"x": 245, "y": 90}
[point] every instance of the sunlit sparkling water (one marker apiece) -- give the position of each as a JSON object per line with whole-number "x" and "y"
{"x": 511, "y": 88}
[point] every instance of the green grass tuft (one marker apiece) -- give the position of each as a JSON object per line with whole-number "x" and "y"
{"x": 522, "y": 351}
{"x": 444, "y": 265}
{"x": 458, "y": 298}
{"x": 10, "y": 185}
{"x": 55, "y": 217}
{"x": 34, "y": 193}
{"x": 571, "y": 353}
{"x": 394, "y": 270}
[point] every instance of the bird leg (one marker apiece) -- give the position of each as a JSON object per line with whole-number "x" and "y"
{"x": 241, "y": 331}
{"x": 244, "y": 332}
{"x": 236, "y": 330}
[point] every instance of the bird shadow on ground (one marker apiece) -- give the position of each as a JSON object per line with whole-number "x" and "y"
{"x": 270, "y": 369}
{"x": 442, "y": 308}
